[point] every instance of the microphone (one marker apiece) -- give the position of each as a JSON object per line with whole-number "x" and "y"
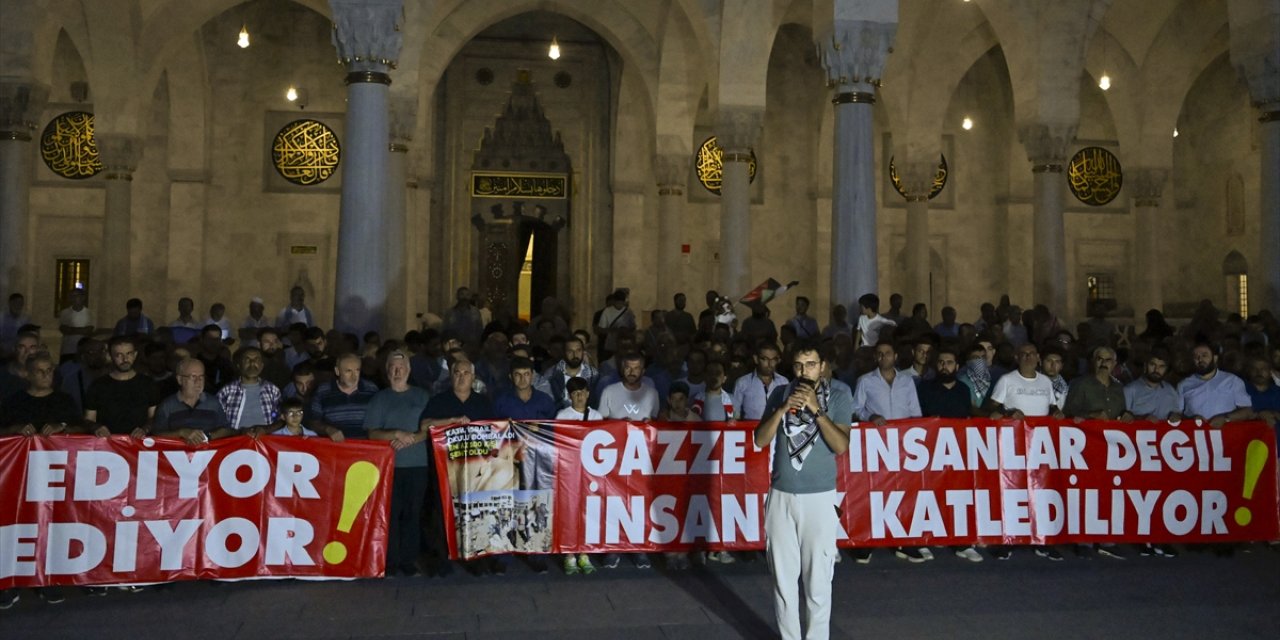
{"x": 800, "y": 383}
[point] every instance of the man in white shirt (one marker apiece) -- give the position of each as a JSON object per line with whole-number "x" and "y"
{"x": 1025, "y": 391}
{"x": 632, "y": 398}
{"x": 75, "y": 322}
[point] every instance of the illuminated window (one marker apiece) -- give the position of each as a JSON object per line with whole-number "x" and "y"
{"x": 1244, "y": 294}
{"x": 1101, "y": 286}
{"x": 72, "y": 274}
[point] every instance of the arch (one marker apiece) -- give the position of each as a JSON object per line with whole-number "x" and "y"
{"x": 677, "y": 96}
{"x": 610, "y": 19}
{"x": 1124, "y": 99}
{"x": 1235, "y": 264}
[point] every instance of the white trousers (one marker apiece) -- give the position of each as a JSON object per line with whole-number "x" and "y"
{"x": 800, "y": 539}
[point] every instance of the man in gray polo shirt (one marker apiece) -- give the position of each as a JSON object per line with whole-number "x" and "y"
{"x": 809, "y": 420}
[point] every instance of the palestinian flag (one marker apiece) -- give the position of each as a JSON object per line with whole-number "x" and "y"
{"x": 766, "y": 291}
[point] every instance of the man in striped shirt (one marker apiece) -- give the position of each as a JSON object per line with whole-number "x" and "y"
{"x": 338, "y": 406}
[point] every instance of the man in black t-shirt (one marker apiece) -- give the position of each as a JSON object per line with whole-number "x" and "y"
{"x": 39, "y": 408}
{"x": 123, "y": 401}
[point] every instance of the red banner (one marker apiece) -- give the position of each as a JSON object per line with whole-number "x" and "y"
{"x": 571, "y": 487}
{"x": 87, "y": 510}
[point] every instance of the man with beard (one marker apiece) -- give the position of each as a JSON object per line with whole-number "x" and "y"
{"x": 13, "y": 378}
{"x": 1263, "y": 389}
{"x": 92, "y": 364}
{"x": 274, "y": 368}
{"x": 751, "y": 392}
{"x": 1212, "y": 395}
{"x": 250, "y": 402}
{"x": 572, "y": 366}
{"x": 212, "y": 353}
{"x": 632, "y": 398}
{"x": 123, "y": 401}
{"x": 1098, "y": 396}
{"x": 921, "y": 355}
{"x": 1150, "y": 397}
{"x": 808, "y": 422}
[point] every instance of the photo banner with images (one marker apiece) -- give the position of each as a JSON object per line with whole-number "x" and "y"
{"x": 588, "y": 487}
{"x": 83, "y": 510}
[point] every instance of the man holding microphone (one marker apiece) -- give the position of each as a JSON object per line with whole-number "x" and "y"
{"x": 808, "y": 420}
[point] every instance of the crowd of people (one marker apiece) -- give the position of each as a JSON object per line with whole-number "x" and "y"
{"x": 201, "y": 380}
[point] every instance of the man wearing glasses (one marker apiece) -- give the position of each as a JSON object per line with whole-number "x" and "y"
{"x": 808, "y": 421}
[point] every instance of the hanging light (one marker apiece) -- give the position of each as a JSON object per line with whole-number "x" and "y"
{"x": 967, "y": 123}
{"x": 291, "y": 95}
{"x": 243, "y": 42}
{"x": 1175, "y": 132}
{"x": 1104, "y": 82}
{"x": 554, "y": 51}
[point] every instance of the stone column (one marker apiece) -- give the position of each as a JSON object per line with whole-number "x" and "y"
{"x": 1046, "y": 146}
{"x": 20, "y": 105}
{"x": 1146, "y": 185}
{"x": 853, "y": 54}
{"x": 671, "y": 171}
{"x": 738, "y": 131}
{"x": 1268, "y": 277}
{"x": 119, "y": 153}
{"x": 917, "y": 179}
{"x": 403, "y": 110}
{"x": 367, "y": 36}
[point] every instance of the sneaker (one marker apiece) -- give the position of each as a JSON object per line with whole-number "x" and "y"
{"x": 611, "y": 560}
{"x": 584, "y": 564}
{"x": 1050, "y": 553}
{"x": 1112, "y": 551}
{"x": 570, "y": 565}
{"x": 970, "y": 554}
{"x": 51, "y": 595}
{"x": 861, "y": 555}
{"x": 536, "y": 563}
{"x": 1001, "y": 553}
{"x": 910, "y": 554}
{"x": 642, "y": 561}
{"x": 8, "y": 598}
{"x": 96, "y": 591}
{"x": 130, "y": 588}
{"x": 727, "y": 558}
{"x": 926, "y": 553}
{"x": 1147, "y": 550}
{"x": 1166, "y": 551}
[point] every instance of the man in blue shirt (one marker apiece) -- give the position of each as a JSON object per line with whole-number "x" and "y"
{"x": 1211, "y": 394}
{"x": 808, "y": 421}
{"x": 522, "y": 401}
{"x": 1263, "y": 390}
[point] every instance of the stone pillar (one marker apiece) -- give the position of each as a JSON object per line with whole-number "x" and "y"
{"x": 1255, "y": 53}
{"x": 1145, "y": 186}
{"x": 738, "y": 131}
{"x": 917, "y": 179}
{"x": 1268, "y": 276}
{"x": 671, "y": 171}
{"x": 20, "y": 105}
{"x": 367, "y": 36}
{"x": 119, "y": 153}
{"x": 1046, "y": 146}
{"x": 853, "y": 54}
{"x": 403, "y": 110}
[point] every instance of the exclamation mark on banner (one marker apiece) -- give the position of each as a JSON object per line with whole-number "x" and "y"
{"x": 1255, "y": 457}
{"x": 362, "y": 479}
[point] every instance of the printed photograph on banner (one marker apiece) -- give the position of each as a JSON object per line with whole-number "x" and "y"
{"x": 503, "y": 522}
{"x": 501, "y": 479}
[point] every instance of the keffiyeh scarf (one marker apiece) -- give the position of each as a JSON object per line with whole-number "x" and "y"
{"x": 979, "y": 375}
{"x": 801, "y": 427}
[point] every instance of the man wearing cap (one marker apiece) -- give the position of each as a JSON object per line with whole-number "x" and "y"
{"x": 257, "y": 319}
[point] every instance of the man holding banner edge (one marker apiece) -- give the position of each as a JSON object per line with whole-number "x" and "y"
{"x": 809, "y": 424}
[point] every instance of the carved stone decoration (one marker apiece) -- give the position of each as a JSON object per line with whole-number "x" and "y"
{"x": 738, "y": 129}
{"x": 21, "y": 102}
{"x": 919, "y": 179}
{"x": 520, "y": 183}
{"x": 1046, "y": 144}
{"x": 854, "y": 52}
{"x": 120, "y": 153}
{"x": 367, "y": 34}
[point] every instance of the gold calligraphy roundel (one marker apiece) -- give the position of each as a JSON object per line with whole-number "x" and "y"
{"x": 306, "y": 152}
{"x": 1094, "y": 176}
{"x": 709, "y": 163}
{"x": 68, "y": 147}
{"x": 939, "y": 178}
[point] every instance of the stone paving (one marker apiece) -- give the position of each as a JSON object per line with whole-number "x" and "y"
{"x": 1198, "y": 595}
